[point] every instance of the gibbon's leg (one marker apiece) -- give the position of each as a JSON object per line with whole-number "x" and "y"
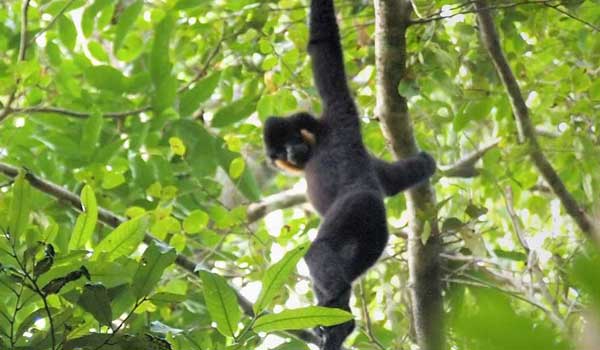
{"x": 350, "y": 240}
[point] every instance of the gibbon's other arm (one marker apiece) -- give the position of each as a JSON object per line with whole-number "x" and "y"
{"x": 403, "y": 174}
{"x": 326, "y": 53}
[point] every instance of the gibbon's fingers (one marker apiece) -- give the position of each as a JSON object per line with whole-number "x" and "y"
{"x": 308, "y": 137}
{"x": 287, "y": 166}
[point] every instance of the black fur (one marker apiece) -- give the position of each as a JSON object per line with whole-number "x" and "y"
{"x": 345, "y": 183}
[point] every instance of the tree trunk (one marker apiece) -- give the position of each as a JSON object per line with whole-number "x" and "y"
{"x": 392, "y": 18}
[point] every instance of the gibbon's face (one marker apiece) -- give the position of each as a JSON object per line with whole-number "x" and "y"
{"x": 288, "y": 147}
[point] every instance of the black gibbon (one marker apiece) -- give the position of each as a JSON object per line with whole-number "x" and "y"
{"x": 346, "y": 185}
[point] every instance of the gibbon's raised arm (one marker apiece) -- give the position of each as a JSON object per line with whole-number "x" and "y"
{"x": 326, "y": 53}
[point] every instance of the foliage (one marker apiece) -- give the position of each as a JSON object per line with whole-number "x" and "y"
{"x": 153, "y": 111}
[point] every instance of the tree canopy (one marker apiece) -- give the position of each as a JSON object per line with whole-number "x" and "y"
{"x": 138, "y": 211}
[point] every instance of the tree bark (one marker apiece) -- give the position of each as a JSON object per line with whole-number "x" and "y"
{"x": 392, "y": 18}
{"x": 527, "y": 132}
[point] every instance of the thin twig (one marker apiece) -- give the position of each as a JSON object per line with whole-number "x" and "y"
{"x": 502, "y": 6}
{"x": 532, "y": 262}
{"x": 78, "y": 114}
{"x": 514, "y": 218}
{"x": 202, "y": 72}
{"x": 38, "y": 290}
{"x": 20, "y": 57}
{"x": 13, "y": 340}
{"x": 572, "y": 16}
{"x": 122, "y": 323}
{"x": 53, "y": 21}
{"x": 465, "y": 167}
{"x": 367, "y": 317}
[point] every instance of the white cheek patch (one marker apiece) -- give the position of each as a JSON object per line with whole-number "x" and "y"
{"x": 287, "y": 166}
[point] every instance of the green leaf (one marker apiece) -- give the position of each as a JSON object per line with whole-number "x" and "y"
{"x": 192, "y": 98}
{"x": 303, "y": 318}
{"x": 97, "y": 51}
{"x": 177, "y": 146}
{"x": 186, "y": 4}
{"x": 475, "y": 211}
{"x": 67, "y": 32}
{"x": 195, "y": 222}
{"x": 165, "y": 86}
{"x": 247, "y": 182}
{"x": 221, "y": 302}
{"x": 155, "y": 260}
{"x": 265, "y": 107}
{"x": 408, "y": 88}
{"x": 595, "y": 90}
{"x": 234, "y": 112}
{"x": 105, "y": 77}
{"x": 165, "y": 93}
{"x": 236, "y": 167}
{"x": 452, "y": 224}
{"x": 20, "y": 206}
{"x": 86, "y": 222}
{"x": 88, "y": 19}
{"x": 94, "y": 299}
{"x": 30, "y": 320}
{"x": 54, "y": 54}
{"x": 126, "y": 21}
{"x": 285, "y": 102}
{"x": 422, "y": 8}
{"x": 160, "y": 63}
{"x": 90, "y": 135}
{"x": 89, "y": 16}
{"x": 584, "y": 271}
{"x": 123, "y": 240}
{"x": 276, "y": 276}
{"x": 112, "y": 179}
{"x": 201, "y": 152}
{"x": 472, "y": 111}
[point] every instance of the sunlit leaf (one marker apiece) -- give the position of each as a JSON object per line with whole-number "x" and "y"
{"x": 303, "y": 318}
{"x": 20, "y": 206}
{"x": 126, "y": 21}
{"x": 123, "y": 240}
{"x": 221, "y": 302}
{"x": 86, "y": 222}
{"x": 276, "y": 276}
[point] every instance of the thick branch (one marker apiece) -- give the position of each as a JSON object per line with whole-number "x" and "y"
{"x": 527, "y": 133}
{"x": 113, "y": 220}
{"x": 277, "y": 201}
{"x": 392, "y": 18}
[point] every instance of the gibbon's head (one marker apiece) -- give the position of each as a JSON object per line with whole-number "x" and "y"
{"x": 289, "y": 146}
